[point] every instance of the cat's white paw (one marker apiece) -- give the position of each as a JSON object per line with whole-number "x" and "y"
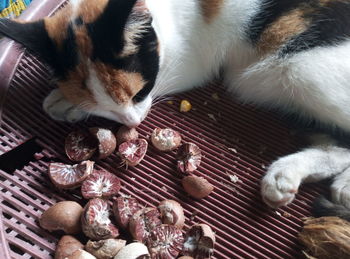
{"x": 58, "y": 108}
{"x": 340, "y": 189}
{"x": 280, "y": 184}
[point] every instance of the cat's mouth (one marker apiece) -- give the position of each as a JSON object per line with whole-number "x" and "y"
{"x": 130, "y": 121}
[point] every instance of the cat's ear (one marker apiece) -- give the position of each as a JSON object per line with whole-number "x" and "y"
{"x": 31, "y": 35}
{"x": 107, "y": 31}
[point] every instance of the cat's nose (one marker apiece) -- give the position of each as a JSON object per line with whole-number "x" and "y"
{"x": 130, "y": 121}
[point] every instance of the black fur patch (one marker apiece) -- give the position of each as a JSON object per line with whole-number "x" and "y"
{"x": 68, "y": 56}
{"x": 323, "y": 207}
{"x": 330, "y": 25}
{"x": 107, "y": 31}
{"x": 148, "y": 60}
{"x": 35, "y": 38}
{"x": 78, "y": 21}
{"x": 32, "y": 36}
{"x": 269, "y": 12}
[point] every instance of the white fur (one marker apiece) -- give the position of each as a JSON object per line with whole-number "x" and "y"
{"x": 316, "y": 83}
{"x": 75, "y": 6}
{"x": 57, "y": 106}
{"x": 192, "y": 51}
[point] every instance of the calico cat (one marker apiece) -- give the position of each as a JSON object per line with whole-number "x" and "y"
{"x": 112, "y": 58}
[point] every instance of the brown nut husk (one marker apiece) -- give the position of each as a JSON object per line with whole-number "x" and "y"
{"x": 134, "y": 250}
{"x": 125, "y": 134}
{"x": 172, "y": 213}
{"x": 165, "y": 139}
{"x": 199, "y": 242}
{"x": 105, "y": 249}
{"x": 196, "y": 186}
{"x": 81, "y": 254}
{"x": 64, "y": 215}
{"x": 326, "y": 237}
{"x": 65, "y": 176}
{"x": 66, "y": 246}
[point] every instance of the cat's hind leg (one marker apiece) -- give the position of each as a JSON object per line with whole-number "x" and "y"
{"x": 340, "y": 196}
{"x": 59, "y": 108}
{"x": 283, "y": 178}
{"x": 340, "y": 189}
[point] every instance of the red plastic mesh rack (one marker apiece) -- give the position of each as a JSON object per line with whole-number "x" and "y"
{"x": 235, "y": 140}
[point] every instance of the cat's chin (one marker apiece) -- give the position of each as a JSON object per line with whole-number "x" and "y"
{"x": 125, "y": 119}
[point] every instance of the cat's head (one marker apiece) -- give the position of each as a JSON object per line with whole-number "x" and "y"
{"x": 104, "y": 54}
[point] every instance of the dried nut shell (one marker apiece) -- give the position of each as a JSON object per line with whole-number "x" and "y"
{"x": 199, "y": 242}
{"x": 95, "y": 220}
{"x": 143, "y": 222}
{"x": 81, "y": 254}
{"x": 133, "y": 251}
{"x": 165, "y": 139}
{"x": 66, "y": 246}
{"x": 125, "y": 134}
{"x": 172, "y": 213}
{"x": 326, "y": 237}
{"x": 69, "y": 176}
{"x": 105, "y": 249}
{"x": 64, "y": 215}
{"x": 100, "y": 184}
{"x": 132, "y": 152}
{"x": 106, "y": 141}
{"x": 189, "y": 157}
{"x": 165, "y": 241}
{"x": 197, "y": 187}
{"x": 80, "y": 145}
{"x": 123, "y": 208}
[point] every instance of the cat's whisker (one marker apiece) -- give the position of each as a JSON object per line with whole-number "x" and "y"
{"x": 164, "y": 79}
{"x": 162, "y": 99}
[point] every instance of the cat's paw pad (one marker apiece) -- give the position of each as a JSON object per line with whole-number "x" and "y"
{"x": 58, "y": 108}
{"x": 340, "y": 189}
{"x": 279, "y": 185}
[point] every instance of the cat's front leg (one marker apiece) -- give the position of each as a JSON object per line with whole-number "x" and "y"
{"x": 59, "y": 108}
{"x": 281, "y": 182}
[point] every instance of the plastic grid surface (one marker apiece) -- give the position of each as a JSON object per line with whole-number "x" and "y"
{"x": 235, "y": 140}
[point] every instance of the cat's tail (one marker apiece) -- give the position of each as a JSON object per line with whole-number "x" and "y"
{"x": 323, "y": 207}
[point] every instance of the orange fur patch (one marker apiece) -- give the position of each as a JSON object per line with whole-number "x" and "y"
{"x": 281, "y": 31}
{"x": 90, "y": 10}
{"x": 74, "y": 89}
{"x": 120, "y": 85}
{"x": 57, "y": 25}
{"x": 211, "y": 9}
